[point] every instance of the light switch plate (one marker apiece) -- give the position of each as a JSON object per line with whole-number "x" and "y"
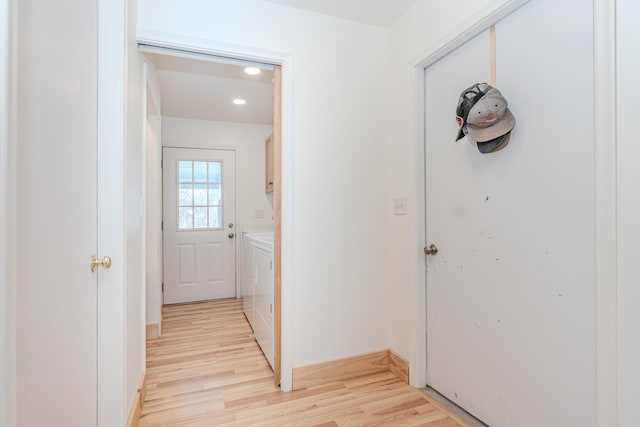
{"x": 259, "y": 213}
{"x": 400, "y": 206}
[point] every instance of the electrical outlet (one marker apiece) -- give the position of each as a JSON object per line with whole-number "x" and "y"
{"x": 400, "y": 206}
{"x": 259, "y": 213}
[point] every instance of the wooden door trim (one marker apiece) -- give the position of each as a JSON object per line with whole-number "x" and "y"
{"x": 277, "y": 238}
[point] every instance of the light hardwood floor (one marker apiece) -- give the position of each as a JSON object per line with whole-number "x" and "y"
{"x": 207, "y": 370}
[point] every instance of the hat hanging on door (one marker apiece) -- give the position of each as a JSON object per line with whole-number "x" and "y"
{"x": 468, "y": 99}
{"x": 483, "y": 117}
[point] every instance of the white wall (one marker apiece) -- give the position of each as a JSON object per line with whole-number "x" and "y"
{"x": 628, "y": 215}
{"x": 421, "y": 28}
{"x": 134, "y": 213}
{"x": 338, "y": 139}
{"x": 248, "y": 140}
{"x": 153, "y": 194}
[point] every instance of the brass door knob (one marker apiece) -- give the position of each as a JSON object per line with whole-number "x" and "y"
{"x": 105, "y": 262}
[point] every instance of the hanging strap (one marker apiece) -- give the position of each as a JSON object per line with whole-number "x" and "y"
{"x": 492, "y": 37}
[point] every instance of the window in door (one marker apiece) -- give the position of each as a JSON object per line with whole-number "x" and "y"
{"x": 199, "y": 198}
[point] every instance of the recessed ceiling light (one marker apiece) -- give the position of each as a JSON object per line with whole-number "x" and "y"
{"x": 239, "y": 101}
{"x": 252, "y": 70}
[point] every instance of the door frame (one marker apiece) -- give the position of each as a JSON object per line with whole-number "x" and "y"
{"x": 283, "y": 289}
{"x": 8, "y": 198}
{"x": 151, "y": 110}
{"x": 605, "y": 196}
{"x": 112, "y": 46}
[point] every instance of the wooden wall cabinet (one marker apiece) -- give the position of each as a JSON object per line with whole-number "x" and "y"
{"x": 269, "y": 165}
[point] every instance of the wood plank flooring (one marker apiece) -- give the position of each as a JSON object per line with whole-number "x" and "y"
{"x": 207, "y": 370}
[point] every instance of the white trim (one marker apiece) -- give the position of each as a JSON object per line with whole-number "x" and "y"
{"x": 482, "y": 21}
{"x": 155, "y": 121}
{"x": 145, "y": 48}
{"x": 143, "y": 212}
{"x": 5, "y": 36}
{"x": 196, "y": 45}
{"x": 8, "y": 214}
{"x": 418, "y": 292}
{"x": 248, "y": 53}
{"x": 205, "y": 147}
{"x": 112, "y": 32}
{"x": 605, "y": 243}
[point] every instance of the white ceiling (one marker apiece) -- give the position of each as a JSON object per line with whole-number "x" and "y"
{"x": 204, "y": 90}
{"x": 382, "y": 13}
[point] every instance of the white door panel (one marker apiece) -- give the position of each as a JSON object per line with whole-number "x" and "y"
{"x": 57, "y": 169}
{"x": 199, "y": 224}
{"x": 214, "y": 260}
{"x": 510, "y": 294}
{"x": 186, "y": 264}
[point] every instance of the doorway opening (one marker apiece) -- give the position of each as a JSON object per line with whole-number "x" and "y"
{"x": 211, "y": 107}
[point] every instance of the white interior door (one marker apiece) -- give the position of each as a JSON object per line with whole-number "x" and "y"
{"x": 199, "y": 224}
{"x": 510, "y": 293}
{"x": 69, "y": 325}
{"x": 57, "y": 293}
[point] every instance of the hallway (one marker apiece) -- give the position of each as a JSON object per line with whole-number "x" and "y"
{"x": 207, "y": 370}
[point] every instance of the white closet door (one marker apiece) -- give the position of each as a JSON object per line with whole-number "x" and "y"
{"x": 510, "y": 294}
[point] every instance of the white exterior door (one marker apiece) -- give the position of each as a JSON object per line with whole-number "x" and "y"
{"x": 199, "y": 224}
{"x": 511, "y": 290}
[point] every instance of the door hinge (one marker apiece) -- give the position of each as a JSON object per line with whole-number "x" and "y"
{"x": 161, "y": 225}
{"x": 161, "y": 163}
{"x": 162, "y": 286}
